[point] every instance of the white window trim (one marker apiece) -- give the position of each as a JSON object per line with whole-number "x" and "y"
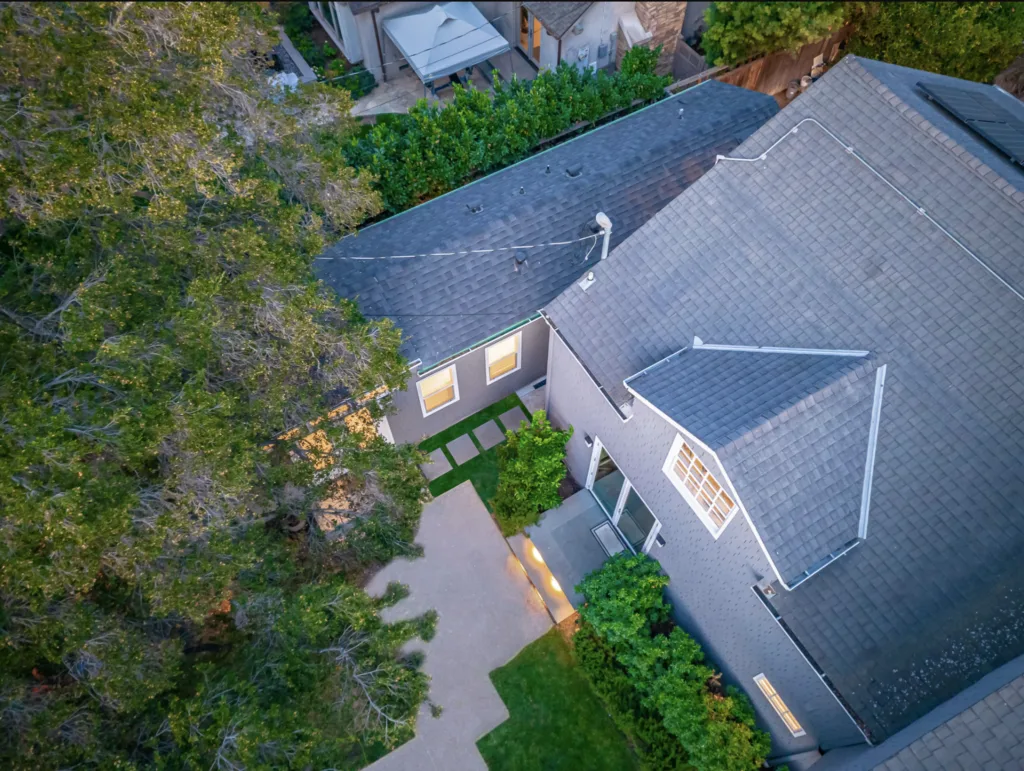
{"x": 519, "y": 357}
{"x": 455, "y": 383}
{"x": 668, "y": 468}
{"x": 758, "y": 680}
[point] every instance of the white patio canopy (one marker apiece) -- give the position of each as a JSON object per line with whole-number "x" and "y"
{"x": 444, "y": 39}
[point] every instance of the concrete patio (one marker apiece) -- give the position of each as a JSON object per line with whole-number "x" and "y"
{"x": 487, "y": 613}
{"x": 567, "y": 548}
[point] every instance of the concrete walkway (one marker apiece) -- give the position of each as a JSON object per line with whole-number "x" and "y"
{"x": 488, "y": 613}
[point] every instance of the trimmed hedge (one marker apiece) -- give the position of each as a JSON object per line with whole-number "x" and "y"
{"x": 625, "y": 609}
{"x": 436, "y": 148}
{"x": 657, "y": 749}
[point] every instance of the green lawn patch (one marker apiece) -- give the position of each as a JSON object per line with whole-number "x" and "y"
{"x": 466, "y": 425}
{"x": 482, "y": 471}
{"x": 555, "y": 720}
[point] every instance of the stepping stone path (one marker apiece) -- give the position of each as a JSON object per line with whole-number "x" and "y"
{"x": 462, "y": 448}
{"x": 489, "y": 434}
{"x": 437, "y": 466}
{"x": 510, "y": 419}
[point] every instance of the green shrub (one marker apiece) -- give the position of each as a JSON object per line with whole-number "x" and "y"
{"x": 625, "y": 609}
{"x": 975, "y": 41}
{"x": 530, "y": 468}
{"x": 740, "y": 31}
{"x": 441, "y": 148}
{"x": 657, "y": 748}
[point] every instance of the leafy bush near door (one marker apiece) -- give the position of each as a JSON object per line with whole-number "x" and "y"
{"x": 530, "y": 468}
{"x": 626, "y": 611}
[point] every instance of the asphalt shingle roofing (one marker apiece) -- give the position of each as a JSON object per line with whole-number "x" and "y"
{"x": 629, "y": 169}
{"x": 557, "y": 18}
{"x": 813, "y": 246}
{"x": 791, "y": 431}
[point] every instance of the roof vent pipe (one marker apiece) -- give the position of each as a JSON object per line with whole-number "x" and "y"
{"x": 606, "y": 228}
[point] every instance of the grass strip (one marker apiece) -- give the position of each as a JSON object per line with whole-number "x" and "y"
{"x": 556, "y": 722}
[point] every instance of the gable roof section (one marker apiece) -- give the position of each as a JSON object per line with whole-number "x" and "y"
{"x": 629, "y": 169}
{"x": 557, "y": 18}
{"x": 793, "y": 432}
{"x": 815, "y": 245}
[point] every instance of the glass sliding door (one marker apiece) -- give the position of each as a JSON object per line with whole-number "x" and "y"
{"x": 608, "y": 483}
{"x": 621, "y": 503}
{"x": 529, "y": 34}
{"x": 636, "y": 522}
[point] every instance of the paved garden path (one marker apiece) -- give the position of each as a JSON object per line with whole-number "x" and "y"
{"x": 488, "y": 613}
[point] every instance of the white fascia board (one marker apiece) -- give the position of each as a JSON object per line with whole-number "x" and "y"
{"x": 869, "y": 465}
{"x": 698, "y": 344}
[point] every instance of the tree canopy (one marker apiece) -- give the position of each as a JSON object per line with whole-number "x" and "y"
{"x": 740, "y": 31}
{"x": 166, "y": 597}
{"x": 974, "y": 41}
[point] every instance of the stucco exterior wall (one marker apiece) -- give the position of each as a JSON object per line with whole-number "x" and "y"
{"x": 408, "y": 423}
{"x": 711, "y": 579}
{"x": 600, "y": 25}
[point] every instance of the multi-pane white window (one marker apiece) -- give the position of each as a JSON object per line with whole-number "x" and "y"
{"x": 698, "y": 486}
{"x": 503, "y": 357}
{"x": 779, "y": 705}
{"x": 438, "y": 390}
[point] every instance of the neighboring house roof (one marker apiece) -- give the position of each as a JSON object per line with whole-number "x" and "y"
{"x": 438, "y": 40}
{"x": 793, "y": 432}
{"x": 629, "y": 169}
{"x": 557, "y": 18}
{"x": 858, "y": 223}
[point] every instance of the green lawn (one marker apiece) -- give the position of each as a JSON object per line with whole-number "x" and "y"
{"x": 555, "y": 720}
{"x": 482, "y": 470}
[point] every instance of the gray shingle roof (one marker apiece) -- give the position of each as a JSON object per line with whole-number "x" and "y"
{"x": 557, "y": 18}
{"x": 791, "y": 431}
{"x": 810, "y": 248}
{"x": 629, "y": 169}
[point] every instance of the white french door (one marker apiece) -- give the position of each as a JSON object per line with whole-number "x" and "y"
{"x": 620, "y": 501}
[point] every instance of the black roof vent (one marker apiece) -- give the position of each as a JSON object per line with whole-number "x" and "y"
{"x": 475, "y": 208}
{"x": 982, "y": 115}
{"x": 574, "y": 171}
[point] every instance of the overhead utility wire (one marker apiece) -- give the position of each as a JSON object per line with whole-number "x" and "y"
{"x": 464, "y": 252}
{"x": 920, "y": 209}
{"x": 382, "y": 65}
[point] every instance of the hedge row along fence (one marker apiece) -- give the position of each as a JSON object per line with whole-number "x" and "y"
{"x": 436, "y": 149}
{"x": 650, "y": 671}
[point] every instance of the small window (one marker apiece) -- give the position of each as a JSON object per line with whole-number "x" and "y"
{"x": 503, "y": 357}
{"x": 438, "y": 390}
{"x": 699, "y": 487}
{"x": 779, "y": 705}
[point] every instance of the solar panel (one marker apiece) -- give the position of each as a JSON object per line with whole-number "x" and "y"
{"x": 982, "y": 115}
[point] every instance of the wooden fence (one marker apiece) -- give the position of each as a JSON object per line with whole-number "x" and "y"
{"x": 771, "y": 74}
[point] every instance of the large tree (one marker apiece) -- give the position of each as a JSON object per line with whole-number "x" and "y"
{"x": 974, "y": 41}
{"x": 164, "y": 596}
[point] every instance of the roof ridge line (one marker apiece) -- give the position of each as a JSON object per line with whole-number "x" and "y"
{"x": 699, "y": 345}
{"x": 887, "y": 94}
{"x": 526, "y": 159}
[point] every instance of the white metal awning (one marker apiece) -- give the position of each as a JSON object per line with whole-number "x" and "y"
{"x": 444, "y": 39}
